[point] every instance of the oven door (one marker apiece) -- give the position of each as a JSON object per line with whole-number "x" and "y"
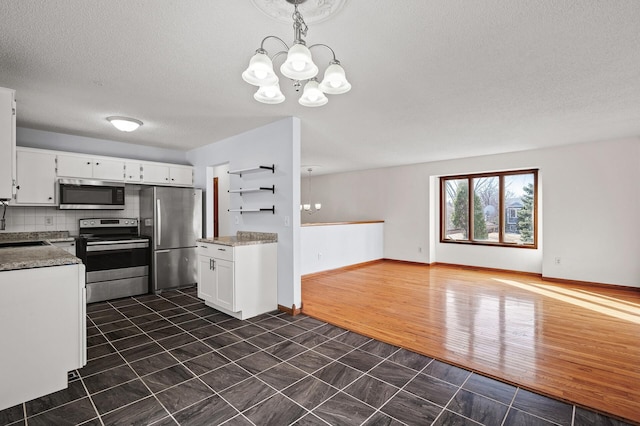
{"x": 114, "y": 260}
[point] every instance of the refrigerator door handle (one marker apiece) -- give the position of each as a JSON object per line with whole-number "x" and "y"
{"x": 163, "y": 251}
{"x": 159, "y": 224}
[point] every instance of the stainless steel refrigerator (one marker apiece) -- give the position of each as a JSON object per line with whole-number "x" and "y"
{"x": 172, "y": 218}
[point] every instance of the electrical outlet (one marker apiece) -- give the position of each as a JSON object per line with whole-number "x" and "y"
{"x": 48, "y": 220}
{"x": 287, "y": 221}
{"x": 319, "y": 256}
{"x": 237, "y": 220}
{"x": 419, "y": 249}
{"x": 557, "y": 260}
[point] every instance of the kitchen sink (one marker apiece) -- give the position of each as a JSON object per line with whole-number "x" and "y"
{"x": 12, "y": 244}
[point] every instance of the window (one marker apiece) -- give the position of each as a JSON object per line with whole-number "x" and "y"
{"x": 490, "y": 208}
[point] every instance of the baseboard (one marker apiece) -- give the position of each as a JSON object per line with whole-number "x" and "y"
{"x": 293, "y": 311}
{"x": 343, "y": 268}
{"x": 483, "y": 268}
{"x": 589, "y": 283}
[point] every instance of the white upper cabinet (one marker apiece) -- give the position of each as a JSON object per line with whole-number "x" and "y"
{"x": 87, "y": 167}
{"x": 164, "y": 174}
{"x": 181, "y": 175}
{"x": 36, "y": 177}
{"x": 155, "y": 173}
{"x": 132, "y": 172}
{"x": 7, "y": 142}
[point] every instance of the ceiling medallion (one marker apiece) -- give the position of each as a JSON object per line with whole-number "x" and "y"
{"x": 313, "y": 10}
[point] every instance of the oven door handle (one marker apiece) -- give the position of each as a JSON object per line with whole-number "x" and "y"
{"x": 109, "y": 246}
{"x": 159, "y": 224}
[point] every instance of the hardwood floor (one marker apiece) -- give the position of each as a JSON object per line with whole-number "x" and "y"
{"x": 577, "y": 343}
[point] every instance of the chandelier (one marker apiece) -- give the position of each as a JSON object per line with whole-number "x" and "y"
{"x": 307, "y": 207}
{"x": 298, "y": 67}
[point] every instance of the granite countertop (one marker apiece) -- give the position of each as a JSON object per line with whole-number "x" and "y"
{"x": 12, "y": 258}
{"x": 51, "y": 236}
{"x": 243, "y": 238}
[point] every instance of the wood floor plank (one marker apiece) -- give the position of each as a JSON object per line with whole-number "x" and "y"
{"x": 575, "y": 342}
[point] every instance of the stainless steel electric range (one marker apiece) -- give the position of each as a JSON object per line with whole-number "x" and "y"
{"x": 115, "y": 256}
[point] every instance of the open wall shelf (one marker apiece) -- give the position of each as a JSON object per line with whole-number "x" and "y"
{"x": 271, "y": 209}
{"x": 255, "y": 169}
{"x": 241, "y": 191}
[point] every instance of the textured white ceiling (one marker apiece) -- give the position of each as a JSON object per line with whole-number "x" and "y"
{"x": 431, "y": 79}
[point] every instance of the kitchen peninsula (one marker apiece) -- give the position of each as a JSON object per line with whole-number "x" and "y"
{"x": 42, "y": 312}
{"x": 332, "y": 245}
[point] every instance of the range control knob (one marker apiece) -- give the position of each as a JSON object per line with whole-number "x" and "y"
{"x": 84, "y": 223}
{"x": 93, "y": 222}
{"x": 126, "y": 222}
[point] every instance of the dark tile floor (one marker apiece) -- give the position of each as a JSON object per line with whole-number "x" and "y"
{"x": 169, "y": 359}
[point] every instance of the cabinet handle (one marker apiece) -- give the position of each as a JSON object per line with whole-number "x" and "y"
{"x": 51, "y": 198}
{"x": 210, "y": 263}
{"x": 221, "y": 249}
{"x": 88, "y": 162}
{"x": 204, "y": 247}
{"x": 97, "y": 164}
{"x": 214, "y": 264}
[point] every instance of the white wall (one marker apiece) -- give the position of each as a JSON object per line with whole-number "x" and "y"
{"x": 328, "y": 247}
{"x": 589, "y": 197}
{"x": 276, "y": 143}
{"x": 62, "y": 142}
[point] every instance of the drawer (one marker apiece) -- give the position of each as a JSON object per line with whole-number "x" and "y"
{"x": 217, "y": 251}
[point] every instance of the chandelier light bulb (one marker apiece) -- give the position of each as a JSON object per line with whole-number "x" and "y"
{"x": 269, "y": 94}
{"x": 299, "y": 64}
{"x": 260, "y": 71}
{"x": 312, "y": 96}
{"x": 334, "y": 81}
{"x": 260, "y": 74}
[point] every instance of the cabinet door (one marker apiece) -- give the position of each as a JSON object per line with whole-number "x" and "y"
{"x": 132, "y": 172}
{"x": 181, "y": 175}
{"x": 225, "y": 284}
{"x": 108, "y": 170}
{"x": 7, "y": 142}
{"x": 36, "y": 178}
{"x": 75, "y": 167}
{"x": 206, "y": 278}
{"x": 152, "y": 173}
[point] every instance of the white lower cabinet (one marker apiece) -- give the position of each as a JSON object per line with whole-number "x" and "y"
{"x": 241, "y": 281}
{"x": 43, "y": 329}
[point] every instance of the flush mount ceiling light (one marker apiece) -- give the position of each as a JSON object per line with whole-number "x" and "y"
{"x": 125, "y": 124}
{"x": 298, "y": 67}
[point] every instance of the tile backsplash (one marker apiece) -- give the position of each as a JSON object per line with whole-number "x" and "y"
{"x": 27, "y": 219}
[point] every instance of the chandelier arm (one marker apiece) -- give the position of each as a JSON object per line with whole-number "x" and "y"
{"x": 275, "y": 37}
{"x": 335, "y": 61}
{"x": 282, "y": 52}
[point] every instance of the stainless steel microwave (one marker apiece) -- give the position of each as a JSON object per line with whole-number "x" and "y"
{"x": 82, "y": 194}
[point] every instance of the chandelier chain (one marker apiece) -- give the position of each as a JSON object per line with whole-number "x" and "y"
{"x": 299, "y": 26}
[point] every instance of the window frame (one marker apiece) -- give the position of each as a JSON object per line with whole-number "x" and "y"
{"x": 503, "y": 215}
